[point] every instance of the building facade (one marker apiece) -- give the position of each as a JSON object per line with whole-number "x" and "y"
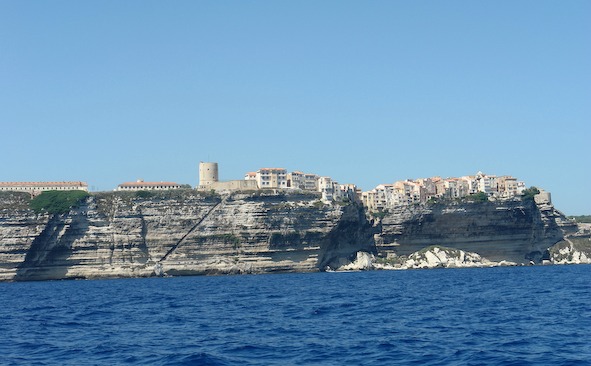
{"x": 140, "y": 185}
{"x": 407, "y": 192}
{"x": 35, "y": 188}
{"x": 271, "y": 178}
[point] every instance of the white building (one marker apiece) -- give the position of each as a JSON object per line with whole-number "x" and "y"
{"x": 35, "y": 188}
{"x": 348, "y": 192}
{"x": 303, "y": 181}
{"x": 484, "y": 183}
{"x": 271, "y": 178}
{"x": 295, "y": 180}
{"x": 471, "y": 183}
{"x": 140, "y": 185}
{"x": 410, "y": 191}
{"x": 310, "y": 182}
{"x": 326, "y": 187}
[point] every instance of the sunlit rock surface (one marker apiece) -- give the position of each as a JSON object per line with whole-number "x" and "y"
{"x": 185, "y": 232}
{"x": 179, "y": 233}
{"x": 574, "y": 249}
{"x": 512, "y": 231}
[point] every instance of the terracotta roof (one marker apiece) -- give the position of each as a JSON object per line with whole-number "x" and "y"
{"x": 147, "y": 184}
{"x": 43, "y": 184}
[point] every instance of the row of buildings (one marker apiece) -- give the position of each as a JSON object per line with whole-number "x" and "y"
{"x": 265, "y": 178}
{"x": 422, "y": 190}
{"x": 278, "y": 178}
{"x": 35, "y": 188}
{"x": 382, "y": 197}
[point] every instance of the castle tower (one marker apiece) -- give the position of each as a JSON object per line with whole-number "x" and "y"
{"x": 208, "y": 174}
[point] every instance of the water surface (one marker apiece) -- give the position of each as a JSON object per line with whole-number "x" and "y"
{"x": 516, "y": 315}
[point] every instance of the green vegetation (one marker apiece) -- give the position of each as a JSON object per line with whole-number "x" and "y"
{"x": 378, "y": 214}
{"x": 318, "y": 204}
{"x": 478, "y": 197}
{"x": 212, "y": 194}
{"x": 434, "y": 200}
{"x": 583, "y": 219}
{"x": 529, "y": 193}
{"x": 57, "y": 202}
{"x": 144, "y": 194}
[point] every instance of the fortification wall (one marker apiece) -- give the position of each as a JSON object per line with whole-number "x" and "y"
{"x": 234, "y": 185}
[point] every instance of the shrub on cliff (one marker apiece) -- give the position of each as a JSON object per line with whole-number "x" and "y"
{"x": 144, "y": 194}
{"x": 57, "y": 202}
{"x": 478, "y": 197}
{"x": 585, "y": 219}
{"x": 529, "y": 193}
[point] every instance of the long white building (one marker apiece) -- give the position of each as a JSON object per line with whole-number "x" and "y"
{"x": 140, "y": 185}
{"x": 35, "y": 188}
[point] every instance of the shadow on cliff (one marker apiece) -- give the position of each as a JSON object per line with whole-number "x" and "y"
{"x": 516, "y": 231}
{"x": 353, "y": 233}
{"x": 48, "y": 256}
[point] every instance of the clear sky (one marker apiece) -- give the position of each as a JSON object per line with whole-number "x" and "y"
{"x": 366, "y": 92}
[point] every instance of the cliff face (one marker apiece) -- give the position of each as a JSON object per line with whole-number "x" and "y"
{"x": 512, "y": 231}
{"x": 182, "y": 232}
{"x": 186, "y": 232}
{"x": 574, "y": 249}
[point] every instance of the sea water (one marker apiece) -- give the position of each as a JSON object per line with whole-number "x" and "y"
{"x": 498, "y": 316}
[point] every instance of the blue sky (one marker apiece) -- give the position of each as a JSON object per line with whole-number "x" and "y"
{"x": 366, "y": 92}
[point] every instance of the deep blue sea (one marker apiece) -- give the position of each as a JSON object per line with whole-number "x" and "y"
{"x": 495, "y": 316}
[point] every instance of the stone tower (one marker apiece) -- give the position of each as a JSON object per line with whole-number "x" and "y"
{"x": 208, "y": 175}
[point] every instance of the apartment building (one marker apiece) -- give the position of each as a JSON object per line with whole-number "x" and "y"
{"x": 271, "y": 178}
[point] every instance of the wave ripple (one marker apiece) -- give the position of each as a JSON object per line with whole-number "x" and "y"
{"x": 516, "y": 315}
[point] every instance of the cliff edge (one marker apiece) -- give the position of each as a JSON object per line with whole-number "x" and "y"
{"x": 185, "y": 232}
{"x": 517, "y": 231}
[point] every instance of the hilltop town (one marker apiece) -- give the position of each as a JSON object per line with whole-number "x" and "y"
{"x": 382, "y": 197}
{"x": 273, "y": 220}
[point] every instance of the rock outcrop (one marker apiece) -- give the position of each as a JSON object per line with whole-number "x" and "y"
{"x": 442, "y": 257}
{"x": 179, "y": 233}
{"x": 574, "y": 249}
{"x": 514, "y": 231}
{"x": 185, "y": 232}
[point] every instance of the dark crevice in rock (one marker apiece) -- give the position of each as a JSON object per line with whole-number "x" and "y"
{"x": 48, "y": 255}
{"x": 193, "y": 228}
{"x": 352, "y": 234}
{"x": 143, "y": 246}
